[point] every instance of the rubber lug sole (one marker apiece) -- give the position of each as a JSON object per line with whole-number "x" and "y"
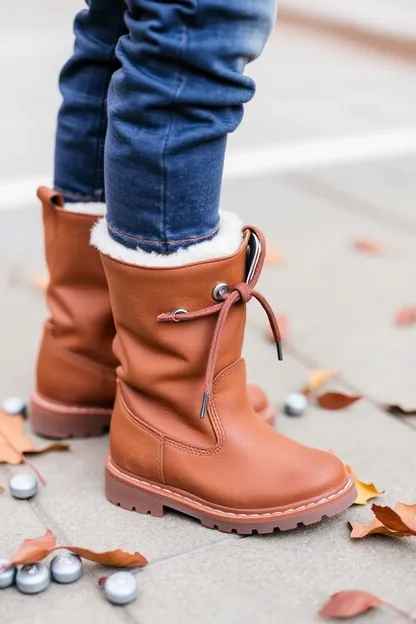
{"x": 55, "y": 420}
{"x": 134, "y": 494}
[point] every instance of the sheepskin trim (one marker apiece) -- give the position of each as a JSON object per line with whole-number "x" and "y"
{"x": 224, "y": 244}
{"x": 91, "y": 208}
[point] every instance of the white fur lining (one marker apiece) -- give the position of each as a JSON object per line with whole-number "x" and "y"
{"x": 224, "y": 244}
{"x": 91, "y": 208}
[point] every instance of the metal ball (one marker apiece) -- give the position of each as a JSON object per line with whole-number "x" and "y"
{"x": 121, "y": 588}
{"x": 7, "y": 575}
{"x": 33, "y": 578}
{"x": 14, "y": 406}
{"x": 295, "y": 404}
{"x": 23, "y": 485}
{"x": 66, "y": 568}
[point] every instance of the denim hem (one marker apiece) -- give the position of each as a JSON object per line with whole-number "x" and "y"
{"x": 70, "y": 197}
{"x": 163, "y": 247}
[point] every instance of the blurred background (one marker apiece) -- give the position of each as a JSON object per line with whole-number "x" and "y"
{"x": 332, "y": 69}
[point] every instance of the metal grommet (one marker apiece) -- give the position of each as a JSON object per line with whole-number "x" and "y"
{"x": 178, "y": 311}
{"x": 220, "y": 290}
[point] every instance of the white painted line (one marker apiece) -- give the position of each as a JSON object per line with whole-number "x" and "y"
{"x": 306, "y": 155}
{"x": 256, "y": 161}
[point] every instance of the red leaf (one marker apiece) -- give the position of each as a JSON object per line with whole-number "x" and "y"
{"x": 368, "y": 245}
{"x": 336, "y": 400}
{"x": 405, "y": 316}
{"x": 347, "y": 604}
{"x": 35, "y": 549}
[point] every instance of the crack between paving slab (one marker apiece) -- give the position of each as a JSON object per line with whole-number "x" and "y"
{"x": 49, "y": 523}
{"x": 311, "y": 364}
{"x": 352, "y": 204}
{"x": 185, "y": 553}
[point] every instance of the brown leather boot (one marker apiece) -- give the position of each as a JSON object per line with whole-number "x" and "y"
{"x": 219, "y": 463}
{"x": 76, "y": 380}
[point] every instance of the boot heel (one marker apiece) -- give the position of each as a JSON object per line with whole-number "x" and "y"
{"x": 131, "y": 498}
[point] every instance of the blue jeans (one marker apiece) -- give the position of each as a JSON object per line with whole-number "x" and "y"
{"x": 149, "y": 96}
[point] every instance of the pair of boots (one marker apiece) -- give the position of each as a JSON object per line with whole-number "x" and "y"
{"x": 184, "y": 434}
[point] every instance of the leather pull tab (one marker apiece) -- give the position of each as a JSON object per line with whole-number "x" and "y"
{"x": 49, "y": 196}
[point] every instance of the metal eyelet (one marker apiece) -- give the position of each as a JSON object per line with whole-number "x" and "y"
{"x": 220, "y": 290}
{"x": 178, "y": 311}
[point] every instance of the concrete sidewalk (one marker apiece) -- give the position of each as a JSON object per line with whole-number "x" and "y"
{"x": 340, "y": 305}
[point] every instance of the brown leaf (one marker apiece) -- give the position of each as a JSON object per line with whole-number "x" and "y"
{"x": 347, "y": 604}
{"x": 368, "y": 245}
{"x": 400, "y": 410}
{"x": 102, "y": 580}
{"x": 316, "y": 379}
{"x": 336, "y": 400}
{"x": 363, "y": 529}
{"x": 14, "y": 442}
{"x": 273, "y": 257}
{"x": 405, "y": 316}
{"x": 1, "y": 489}
{"x": 118, "y": 558}
{"x": 391, "y": 519}
{"x": 34, "y": 550}
{"x": 283, "y": 323}
{"x": 40, "y": 282}
{"x": 365, "y": 491}
{"x": 400, "y": 522}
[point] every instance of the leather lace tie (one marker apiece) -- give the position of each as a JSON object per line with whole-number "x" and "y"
{"x": 240, "y": 293}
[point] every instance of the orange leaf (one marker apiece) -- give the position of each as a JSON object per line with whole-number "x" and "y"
{"x": 365, "y": 491}
{"x": 34, "y": 550}
{"x": 347, "y": 604}
{"x": 316, "y": 379}
{"x": 400, "y": 410}
{"x": 400, "y": 522}
{"x": 363, "y": 529}
{"x": 283, "y": 323}
{"x": 336, "y": 400}
{"x": 408, "y": 514}
{"x": 273, "y": 257}
{"x": 405, "y": 316}
{"x": 118, "y": 558}
{"x": 14, "y": 442}
{"x": 368, "y": 245}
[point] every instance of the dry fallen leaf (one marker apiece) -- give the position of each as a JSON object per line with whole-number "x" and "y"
{"x": 368, "y": 245}
{"x": 365, "y": 491}
{"x": 1, "y": 489}
{"x": 405, "y": 316}
{"x": 36, "y": 549}
{"x": 336, "y": 400}
{"x": 400, "y": 410}
{"x": 14, "y": 442}
{"x": 283, "y": 323}
{"x": 40, "y": 282}
{"x": 273, "y": 257}
{"x": 316, "y": 379}
{"x": 349, "y": 603}
{"x": 118, "y": 558}
{"x": 400, "y": 522}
